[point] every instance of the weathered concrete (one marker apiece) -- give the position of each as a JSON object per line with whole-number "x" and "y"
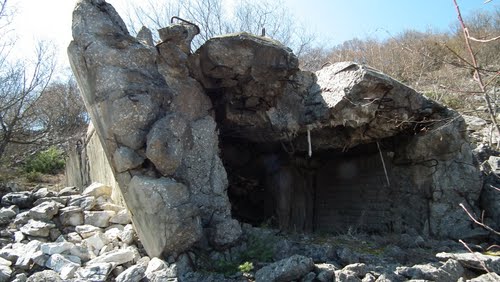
{"x": 133, "y": 93}
{"x": 293, "y": 142}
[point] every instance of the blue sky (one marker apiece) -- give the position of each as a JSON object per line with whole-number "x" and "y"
{"x": 341, "y": 20}
{"x": 335, "y": 21}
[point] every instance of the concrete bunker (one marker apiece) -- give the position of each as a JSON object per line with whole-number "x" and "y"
{"x": 166, "y": 116}
{"x": 271, "y": 116}
{"x": 333, "y": 190}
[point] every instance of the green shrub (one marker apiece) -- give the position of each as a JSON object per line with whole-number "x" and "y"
{"x": 49, "y": 161}
{"x": 33, "y": 176}
{"x": 259, "y": 249}
{"x": 246, "y": 267}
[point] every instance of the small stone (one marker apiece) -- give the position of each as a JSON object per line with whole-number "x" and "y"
{"x": 37, "y": 228}
{"x": 346, "y": 276}
{"x": 60, "y": 200}
{"x": 6, "y": 214}
{"x": 39, "y": 258}
{"x": 288, "y": 269}
{"x": 474, "y": 260}
{"x": 81, "y": 252}
{"x": 86, "y": 203}
{"x": 26, "y": 253}
{"x": 96, "y": 242}
{"x": 68, "y": 191}
{"x": 74, "y": 237}
{"x": 54, "y": 234}
{"x": 43, "y": 193}
{"x": 46, "y": 275}
{"x": 309, "y": 277}
{"x": 98, "y": 218}
{"x": 11, "y": 254}
{"x": 21, "y": 199}
{"x": 360, "y": 269}
{"x": 5, "y": 262}
{"x": 113, "y": 232}
{"x": 226, "y": 232}
{"x": 21, "y": 277}
{"x": 325, "y": 275}
{"x": 95, "y": 271}
{"x": 68, "y": 271}
{"x": 118, "y": 257}
{"x": 22, "y": 218}
{"x": 87, "y": 230}
{"x": 5, "y": 273}
{"x": 56, "y": 248}
{"x": 57, "y": 262}
{"x": 97, "y": 189}
{"x": 132, "y": 274}
{"x": 110, "y": 207}
{"x": 155, "y": 264}
{"x": 71, "y": 216}
{"x": 121, "y": 217}
{"x": 127, "y": 236}
{"x": 19, "y": 236}
{"x": 488, "y": 277}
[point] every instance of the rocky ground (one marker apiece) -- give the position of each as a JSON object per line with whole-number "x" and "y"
{"x": 74, "y": 235}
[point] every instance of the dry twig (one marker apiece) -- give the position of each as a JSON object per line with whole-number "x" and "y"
{"x": 480, "y": 223}
{"x": 477, "y": 73}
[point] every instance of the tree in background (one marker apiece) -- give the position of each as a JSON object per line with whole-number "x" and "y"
{"x": 34, "y": 111}
{"x": 215, "y": 19}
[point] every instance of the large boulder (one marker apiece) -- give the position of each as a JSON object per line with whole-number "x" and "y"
{"x": 130, "y": 88}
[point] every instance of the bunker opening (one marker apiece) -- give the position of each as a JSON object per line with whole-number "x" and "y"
{"x": 330, "y": 191}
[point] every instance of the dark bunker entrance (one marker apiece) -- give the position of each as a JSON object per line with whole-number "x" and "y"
{"x": 331, "y": 191}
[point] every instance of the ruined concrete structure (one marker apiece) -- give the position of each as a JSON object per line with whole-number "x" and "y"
{"x": 237, "y": 131}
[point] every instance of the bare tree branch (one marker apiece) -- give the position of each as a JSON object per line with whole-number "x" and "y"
{"x": 477, "y": 73}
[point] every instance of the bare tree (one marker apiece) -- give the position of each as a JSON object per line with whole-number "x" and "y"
{"x": 213, "y": 18}
{"x": 60, "y": 110}
{"x": 21, "y": 84}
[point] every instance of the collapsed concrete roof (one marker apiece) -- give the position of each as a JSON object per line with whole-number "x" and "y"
{"x": 158, "y": 111}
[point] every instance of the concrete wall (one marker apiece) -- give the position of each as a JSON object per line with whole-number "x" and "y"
{"x": 88, "y": 163}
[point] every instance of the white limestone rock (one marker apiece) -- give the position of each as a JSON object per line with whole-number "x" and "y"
{"x": 132, "y": 274}
{"x": 107, "y": 206}
{"x": 97, "y": 189}
{"x": 45, "y": 210}
{"x": 87, "y": 230}
{"x": 58, "y": 262}
{"x": 85, "y": 202}
{"x": 39, "y": 258}
{"x": 95, "y": 271}
{"x": 5, "y": 273}
{"x": 68, "y": 191}
{"x": 113, "y": 232}
{"x": 19, "y": 236}
{"x": 121, "y": 217}
{"x": 5, "y": 262}
{"x": 71, "y": 216}
{"x": 37, "y": 228}
{"x": 118, "y": 257}
{"x": 127, "y": 236}
{"x": 98, "y": 218}
{"x": 96, "y": 242}
{"x": 56, "y": 248}
{"x": 6, "y": 214}
{"x": 74, "y": 237}
{"x": 22, "y": 218}
{"x": 26, "y": 253}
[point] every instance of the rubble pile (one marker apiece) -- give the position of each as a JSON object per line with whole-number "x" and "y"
{"x": 72, "y": 234}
